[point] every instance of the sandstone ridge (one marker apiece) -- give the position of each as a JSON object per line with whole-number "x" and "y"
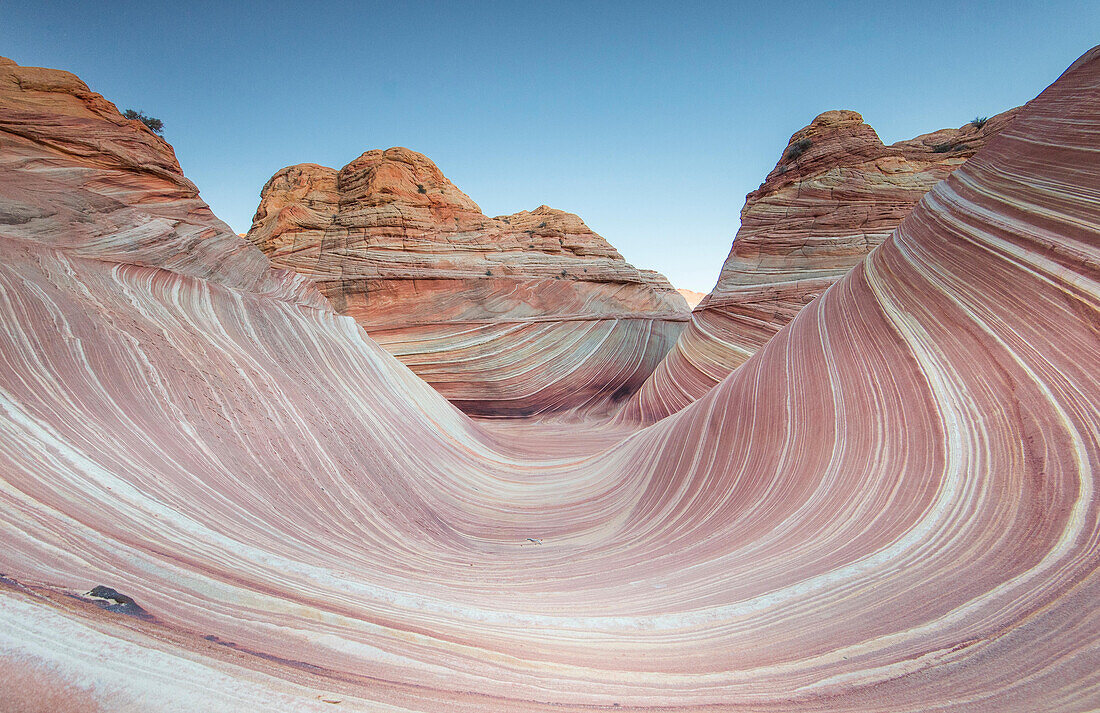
{"x": 471, "y": 303}
{"x": 835, "y": 194}
{"x": 78, "y": 176}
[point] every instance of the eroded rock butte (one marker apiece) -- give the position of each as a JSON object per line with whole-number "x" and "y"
{"x": 516, "y": 315}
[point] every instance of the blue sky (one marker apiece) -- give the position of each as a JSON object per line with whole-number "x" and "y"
{"x": 649, "y": 120}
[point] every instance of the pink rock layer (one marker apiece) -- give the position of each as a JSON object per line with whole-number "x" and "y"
{"x": 77, "y": 176}
{"x": 511, "y": 316}
{"x": 692, "y": 298}
{"x": 890, "y": 507}
{"x": 836, "y": 194}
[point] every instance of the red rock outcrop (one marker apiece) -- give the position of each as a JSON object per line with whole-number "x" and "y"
{"x": 692, "y": 298}
{"x": 78, "y": 176}
{"x": 515, "y": 315}
{"x": 890, "y": 507}
{"x": 836, "y": 193}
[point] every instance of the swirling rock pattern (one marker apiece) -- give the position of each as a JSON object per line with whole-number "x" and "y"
{"x": 890, "y": 507}
{"x": 836, "y": 194}
{"x": 77, "y": 176}
{"x": 516, "y": 315}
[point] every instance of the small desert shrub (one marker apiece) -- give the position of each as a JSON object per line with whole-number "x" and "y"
{"x": 797, "y": 149}
{"x": 420, "y": 188}
{"x": 979, "y": 121}
{"x": 948, "y": 147}
{"x": 155, "y": 125}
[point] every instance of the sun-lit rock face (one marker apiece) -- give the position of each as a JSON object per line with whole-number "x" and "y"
{"x": 891, "y": 506}
{"x": 692, "y": 298}
{"x": 516, "y": 315}
{"x": 76, "y": 175}
{"x": 836, "y": 193}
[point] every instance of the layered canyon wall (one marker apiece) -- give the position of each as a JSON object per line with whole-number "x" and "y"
{"x": 510, "y": 316}
{"x": 890, "y": 506}
{"x": 836, "y": 193}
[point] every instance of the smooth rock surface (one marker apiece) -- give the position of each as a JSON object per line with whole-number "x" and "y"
{"x": 836, "y": 193}
{"x": 516, "y": 315}
{"x": 692, "y": 298}
{"x": 77, "y": 176}
{"x": 890, "y": 507}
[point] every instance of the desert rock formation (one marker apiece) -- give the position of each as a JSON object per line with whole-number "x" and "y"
{"x": 891, "y": 506}
{"x": 516, "y": 315}
{"x": 836, "y": 193}
{"x": 692, "y": 298}
{"x": 77, "y": 176}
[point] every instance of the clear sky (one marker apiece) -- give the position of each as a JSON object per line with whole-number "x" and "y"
{"x": 649, "y": 120}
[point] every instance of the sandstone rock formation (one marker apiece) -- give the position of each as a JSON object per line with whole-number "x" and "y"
{"x": 836, "y": 193}
{"x": 890, "y": 507}
{"x": 78, "y": 176}
{"x": 515, "y": 315}
{"x": 692, "y": 298}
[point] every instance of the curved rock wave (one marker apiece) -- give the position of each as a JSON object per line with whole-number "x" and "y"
{"x": 836, "y": 193}
{"x": 889, "y": 507}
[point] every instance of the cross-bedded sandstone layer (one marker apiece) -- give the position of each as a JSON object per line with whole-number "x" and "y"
{"x": 77, "y": 176}
{"x": 516, "y": 315}
{"x": 836, "y": 193}
{"x": 890, "y": 507}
